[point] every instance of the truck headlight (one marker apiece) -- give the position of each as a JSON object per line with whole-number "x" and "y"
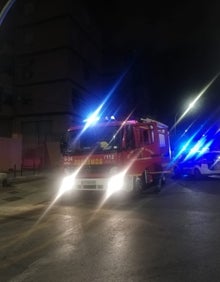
{"x": 67, "y": 184}
{"x": 115, "y": 183}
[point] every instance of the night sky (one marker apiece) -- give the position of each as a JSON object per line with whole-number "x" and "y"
{"x": 176, "y": 48}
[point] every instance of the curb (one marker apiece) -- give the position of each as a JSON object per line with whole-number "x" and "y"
{"x": 7, "y": 179}
{"x": 21, "y": 179}
{"x": 3, "y": 179}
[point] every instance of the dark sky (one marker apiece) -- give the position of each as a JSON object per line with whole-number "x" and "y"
{"x": 177, "y": 46}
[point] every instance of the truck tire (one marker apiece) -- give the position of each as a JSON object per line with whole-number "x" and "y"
{"x": 159, "y": 182}
{"x": 163, "y": 179}
{"x": 158, "y": 177}
{"x": 138, "y": 186}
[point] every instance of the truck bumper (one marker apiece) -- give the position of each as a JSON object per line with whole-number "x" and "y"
{"x": 101, "y": 184}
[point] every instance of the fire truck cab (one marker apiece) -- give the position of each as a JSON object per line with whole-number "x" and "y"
{"x": 113, "y": 155}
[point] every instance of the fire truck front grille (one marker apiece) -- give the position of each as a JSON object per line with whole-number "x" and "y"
{"x": 90, "y": 187}
{"x": 95, "y": 170}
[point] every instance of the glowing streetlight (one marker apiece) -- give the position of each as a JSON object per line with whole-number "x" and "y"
{"x": 191, "y": 105}
{"x": 176, "y": 121}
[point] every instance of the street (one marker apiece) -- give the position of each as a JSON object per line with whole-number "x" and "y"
{"x": 170, "y": 236}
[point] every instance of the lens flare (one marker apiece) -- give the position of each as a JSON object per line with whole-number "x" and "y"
{"x": 67, "y": 184}
{"x": 194, "y": 101}
{"x": 115, "y": 184}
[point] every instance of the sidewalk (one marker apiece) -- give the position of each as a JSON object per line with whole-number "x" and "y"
{"x": 17, "y": 199}
{"x": 26, "y": 175}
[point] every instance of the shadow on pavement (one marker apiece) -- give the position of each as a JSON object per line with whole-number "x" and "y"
{"x": 206, "y": 184}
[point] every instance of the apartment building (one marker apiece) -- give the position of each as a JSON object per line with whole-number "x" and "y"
{"x": 53, "y": 72}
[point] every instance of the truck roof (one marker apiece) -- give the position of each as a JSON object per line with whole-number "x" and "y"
{"x": 120, "y": 122}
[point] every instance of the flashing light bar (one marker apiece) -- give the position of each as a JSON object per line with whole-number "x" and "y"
{"x": 93, "y": 119}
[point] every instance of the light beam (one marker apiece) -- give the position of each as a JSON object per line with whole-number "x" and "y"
{"x": 191, "y": 105}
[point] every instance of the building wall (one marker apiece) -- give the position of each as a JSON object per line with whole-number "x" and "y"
{"x": 11, "y": 153}
{"x": 6, "y": 79}
{"x": 54, "y": 47}
{"x": 56, "y": 64}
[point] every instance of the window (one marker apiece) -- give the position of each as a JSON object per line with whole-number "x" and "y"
{"x": 162, "y": 140}
{"x": 130, "y": 142}
{"x": 146, "y": 136}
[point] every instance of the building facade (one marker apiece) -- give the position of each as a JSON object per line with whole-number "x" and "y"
{"x": 55, "y": 62}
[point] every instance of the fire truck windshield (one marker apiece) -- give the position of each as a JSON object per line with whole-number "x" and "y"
{"x": 96, "y": 139}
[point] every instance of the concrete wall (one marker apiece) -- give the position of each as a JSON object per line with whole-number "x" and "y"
{"x": 54, "y": 155}
{"x": 10, "y": 153}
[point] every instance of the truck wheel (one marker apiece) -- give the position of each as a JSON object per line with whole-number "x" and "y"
{"x": 158, "y": 186}
{"x": 159, "y": 182}
{"x": 138, "y": 186}
{"x": 163, "y": 179}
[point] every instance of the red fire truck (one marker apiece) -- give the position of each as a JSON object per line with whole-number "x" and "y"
{"x": 116, "y": 155}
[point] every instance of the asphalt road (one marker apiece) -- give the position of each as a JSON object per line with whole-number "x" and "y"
{"x": 170, "y": 236}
